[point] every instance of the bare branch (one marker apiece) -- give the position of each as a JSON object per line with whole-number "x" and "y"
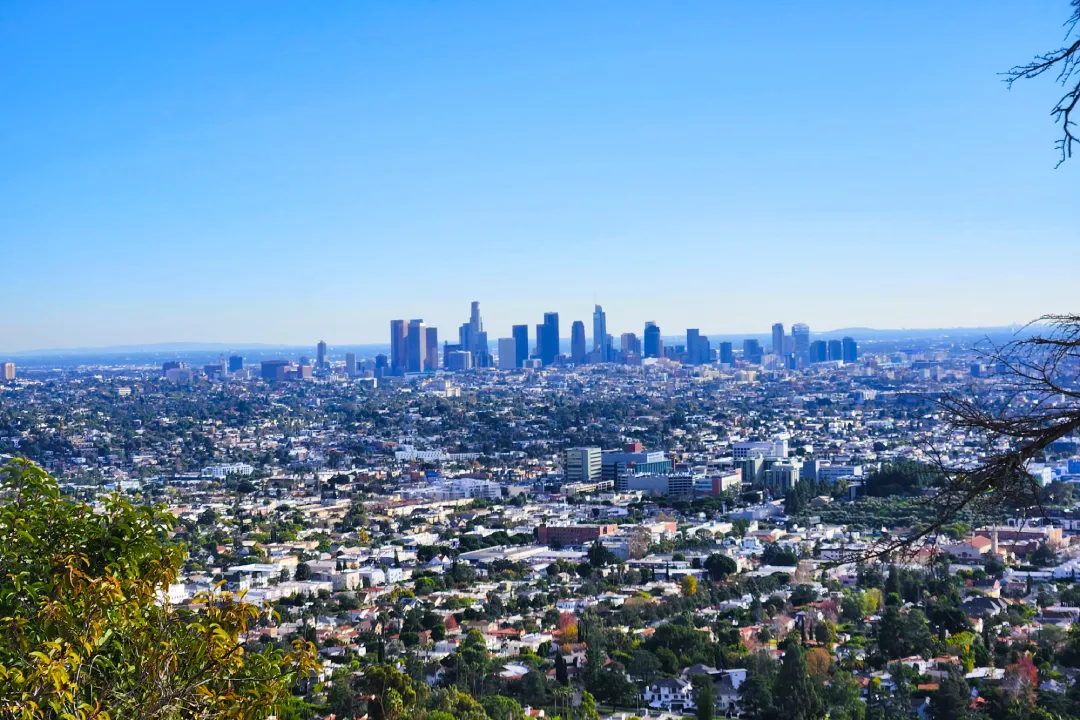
{"x": 1031, "y": 402}
{"x": 1066, "y": 61}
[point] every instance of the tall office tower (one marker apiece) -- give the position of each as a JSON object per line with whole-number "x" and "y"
{"x": 7, "y": 371}
{"x": 481, "y": 352}
{"x": 382, "y": 367}
{"x": 704, "y": 351}
{"x": 693, "y": 337}
{"x": 464, "y": 338}
{"x": 431, "y": 341}
{"x": 629, "y": 344}
{"x": 727, "y": 354}
{"x": 521, "y": 344}
{"x": 835, "y": 350}
{"x": 654, "y": 346}
{"x": 539, "y": 340}
{"x": 819, "y": 351}
{"x": 599, "y": 334}
{"x": 459, "y": 360}
{"x": 800, "y": 336}
{"x": 468, "y": 332}
{"x": 582, "y": 465}
{"x": 275, "y": 369}
{"x": 399, "y": 347}
{"x": 549, "y": 345}
{"x": 171, "y": 365}
{"x": 236, "y": 362}
{"x": 578, "y": 350}
{"x": 474, "y": 318}
{"x": 751, "y": 350}
{"x": 447, "y": 348}
{"x": 849, "y": 350}
{"x": 778, "y": 339}
{"x": 320, "y": 355}
{"x": 350, "y": 364}
{"x": 416, "y": 354}
{"x": 508, "y": 353}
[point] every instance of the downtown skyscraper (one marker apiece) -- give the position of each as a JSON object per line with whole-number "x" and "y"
{"x": 849, "y": 350}
{"x": 469, "y": 333}
{"x": 578, "y": 350}
{"x": 399, "y": 347}
{"x": 693, "y": 337}
{"x": 778, "y": 339}
{"x": 601, "y": 339}
{"x": 431, "y": 340}
{"x": 653, "y": 345}
{"x": 548, "y": 339}
{"x": 416, "y": 355}
{"x": 800, "y": 340}
{"x": 520, "y": 333}
{"x": 473, "y": 339}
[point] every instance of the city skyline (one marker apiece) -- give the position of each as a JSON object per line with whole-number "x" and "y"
{"x": 408, "y": 353}
{"x": 225, "y": 186}
{"x": 864, "y": 332}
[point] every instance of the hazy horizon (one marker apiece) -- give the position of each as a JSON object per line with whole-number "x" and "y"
{"x": 860, "y": 333}
{"x": 294, "y": 172}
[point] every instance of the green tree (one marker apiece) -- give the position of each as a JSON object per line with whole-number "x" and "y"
{"x": 500, "y": 707}
{"x": 706, "y": 699}
{"x": 904, "y": 634}
{"x": 644, "y": 665}
{"x": 796, "y": 696}
{"x": 892, "y": 583}
{"x": 720, "y": 566}
{"x": 561, "y": 674}
{"x": 587, "y": 710}
{"x": 756, "y": 691}
{"x": 952, "y": 698}
{"x": 534, "y": 688}
{"x": 844, "y": 696}
{"x": 457, "y": 704}
{"x": 82, "y": 630}
{"x": 343, "y": 700}
{"x": 390, "y": 692}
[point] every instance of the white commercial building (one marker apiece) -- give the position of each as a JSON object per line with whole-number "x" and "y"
{"x": 507, "y": 353}
{"x": 777, "y": 448}
{"x": 220, "y": 472}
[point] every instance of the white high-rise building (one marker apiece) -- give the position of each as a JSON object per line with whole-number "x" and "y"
{"x": 507, "y": 353}
{"x": 582, "y": 464}
{"x": 416, "y": 345}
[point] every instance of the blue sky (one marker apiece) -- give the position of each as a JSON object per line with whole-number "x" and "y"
{"x": 284, "y": 172}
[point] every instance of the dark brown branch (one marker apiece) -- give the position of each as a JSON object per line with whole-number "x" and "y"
{"x": 1032, "y": 403}
{"x": 1066, "y": 61}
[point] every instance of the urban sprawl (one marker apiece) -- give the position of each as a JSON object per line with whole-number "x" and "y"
{"x": 635, "y": 528}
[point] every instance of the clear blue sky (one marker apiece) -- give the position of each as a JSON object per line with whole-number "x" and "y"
{"x": 285, "y": 172}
